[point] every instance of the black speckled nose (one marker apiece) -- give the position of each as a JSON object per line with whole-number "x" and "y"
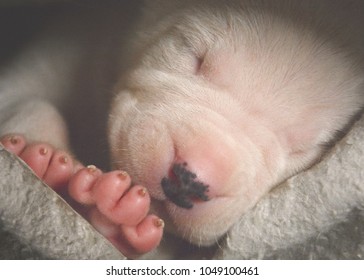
{"x": 182, "y": 187}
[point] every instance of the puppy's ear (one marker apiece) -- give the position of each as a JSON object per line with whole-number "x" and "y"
{"x": 305, "y": 135}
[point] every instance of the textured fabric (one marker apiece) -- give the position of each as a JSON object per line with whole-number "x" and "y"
{"x": 36, "y": 223}
{"x": 316, "y": 214}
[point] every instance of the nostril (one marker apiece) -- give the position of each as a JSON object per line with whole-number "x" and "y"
{"x": 182, "y": 187}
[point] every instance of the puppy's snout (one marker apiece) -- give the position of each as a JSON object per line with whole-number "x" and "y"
{"x": 199, "y": 173}
{"x": 183, "y": 188}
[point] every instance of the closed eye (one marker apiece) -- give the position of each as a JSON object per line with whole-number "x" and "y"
{"x": 198, "y": 63}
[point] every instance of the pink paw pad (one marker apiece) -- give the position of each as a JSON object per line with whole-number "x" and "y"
{"x": 13, "y": 143}
{"x": 114, "y": 207}
{"x": 117, "y": 200}
{"x": 121, "y": 210}
{"x": 81, "y": 184}
{"x": 143, "y": 237}
{"x": 130, "y": 240}
{"x": 54, "y": 167}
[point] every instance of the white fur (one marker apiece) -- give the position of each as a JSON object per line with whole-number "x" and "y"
{"x": 247, "y": 92}
{"x": 274, "y": 86}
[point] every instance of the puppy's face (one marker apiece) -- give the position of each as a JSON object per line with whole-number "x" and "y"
{"x": 221, "y": 103}
{"x": 179, "y": 127}
{"x": 180, "y": 139}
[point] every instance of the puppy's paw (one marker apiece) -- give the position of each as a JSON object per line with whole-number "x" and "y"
{"x": 55, "y": 167}
{"x": 117, "y": 209}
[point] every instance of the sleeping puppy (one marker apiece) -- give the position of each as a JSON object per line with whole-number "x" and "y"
{"x": 214, "y": 103}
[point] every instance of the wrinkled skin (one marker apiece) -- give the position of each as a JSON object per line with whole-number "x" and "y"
{"x": 246, "y": 95}
{"x": 214, "y": 104}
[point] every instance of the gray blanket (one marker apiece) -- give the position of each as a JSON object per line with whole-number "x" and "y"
{"x": 317, "y": 214}
{"x": 314, "y": 215}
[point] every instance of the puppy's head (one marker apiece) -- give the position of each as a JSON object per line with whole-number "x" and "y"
{"x": 184, "y": 140}
{"x": 178, "y": 127}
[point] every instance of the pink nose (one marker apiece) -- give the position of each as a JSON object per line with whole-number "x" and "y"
{"x": 182, "y": 186}
{"x": 200, "y": 169}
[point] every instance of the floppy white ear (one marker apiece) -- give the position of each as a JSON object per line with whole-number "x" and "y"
{"x": 304, "y": 136}
{"x": 305, "y": 207}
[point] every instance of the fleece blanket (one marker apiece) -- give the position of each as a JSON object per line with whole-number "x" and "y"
{"x": 317, "y": 214}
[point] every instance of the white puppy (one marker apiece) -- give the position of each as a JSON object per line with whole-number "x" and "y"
{"x": 247, "y": 93}
{"x": 216, "y": 102}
